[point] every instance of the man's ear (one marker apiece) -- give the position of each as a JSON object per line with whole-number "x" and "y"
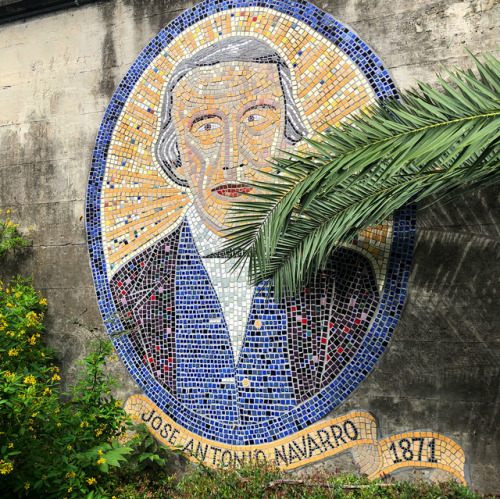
{"x": 179, "y": 170}
{"x": 168, "y": 157}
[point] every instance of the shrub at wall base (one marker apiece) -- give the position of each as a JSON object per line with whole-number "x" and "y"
{"x": 48, "y": 447}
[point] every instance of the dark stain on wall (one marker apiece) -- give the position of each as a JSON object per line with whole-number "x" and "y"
{"x": 107, "y": 81}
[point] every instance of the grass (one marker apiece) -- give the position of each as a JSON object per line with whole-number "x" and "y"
{"x": 258, "y": 481}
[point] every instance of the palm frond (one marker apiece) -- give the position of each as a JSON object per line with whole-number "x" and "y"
{"x": 429, "y": 143}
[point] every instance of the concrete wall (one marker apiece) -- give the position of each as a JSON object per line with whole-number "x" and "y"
{"x": 57, "y": 74}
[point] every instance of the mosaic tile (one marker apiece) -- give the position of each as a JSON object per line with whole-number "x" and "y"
{"x": 218, "y": 92}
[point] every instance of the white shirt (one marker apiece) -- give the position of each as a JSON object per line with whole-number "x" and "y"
{"x": 232, "y": 289}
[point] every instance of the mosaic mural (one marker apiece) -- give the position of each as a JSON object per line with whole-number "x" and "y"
{"x": 228, "y": 372}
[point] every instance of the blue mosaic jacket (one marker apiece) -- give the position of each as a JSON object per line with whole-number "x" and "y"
{"x": 291, "y": 350}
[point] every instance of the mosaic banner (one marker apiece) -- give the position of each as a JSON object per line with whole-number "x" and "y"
{"x": 356, "y": 431}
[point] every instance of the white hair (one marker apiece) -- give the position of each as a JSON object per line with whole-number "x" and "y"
{"x": 234, "y": 49}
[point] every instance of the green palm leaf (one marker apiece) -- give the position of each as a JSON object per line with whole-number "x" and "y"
{"x": 429, "y": 143}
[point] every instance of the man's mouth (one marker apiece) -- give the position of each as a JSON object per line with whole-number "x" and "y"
{"x": 231, "y": 190}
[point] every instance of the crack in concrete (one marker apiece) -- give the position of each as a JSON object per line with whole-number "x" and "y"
{"x": 427, "y": 63}
{"x": 42, "y": 246}
{"x": 44, "y": 203}
{"x": 49, "y": 121}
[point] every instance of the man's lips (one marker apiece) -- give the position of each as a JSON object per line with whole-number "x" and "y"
{"x": 231, "y": 190}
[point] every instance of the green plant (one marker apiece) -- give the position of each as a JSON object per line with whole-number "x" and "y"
{"x": 49, "y": 447}
{"x": 144, "y": 469}
{"x": 264, "y": 481}
{"x": 429, "y": 143}
{"x": 10, "y": 237}
{"x": 245, "y": 482}
{"x": 55, "y": 448}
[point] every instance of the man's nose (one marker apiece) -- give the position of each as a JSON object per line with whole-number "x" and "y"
{"x": 233, "y": 161}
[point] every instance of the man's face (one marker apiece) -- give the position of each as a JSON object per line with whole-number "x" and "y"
{"x": 229, "y": 121}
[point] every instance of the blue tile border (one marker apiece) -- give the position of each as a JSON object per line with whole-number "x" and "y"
{"x": 394, "y": 290}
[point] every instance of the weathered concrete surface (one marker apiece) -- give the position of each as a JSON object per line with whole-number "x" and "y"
{"x": 442, "y": 368}
{"x": 57, "y": 74}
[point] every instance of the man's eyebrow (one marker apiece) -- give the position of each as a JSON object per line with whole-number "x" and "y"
{"x": 260, "y": 106}
{"x": 201, "y": 118}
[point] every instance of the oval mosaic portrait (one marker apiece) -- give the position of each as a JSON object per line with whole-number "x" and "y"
{"x": 218, "y": 93}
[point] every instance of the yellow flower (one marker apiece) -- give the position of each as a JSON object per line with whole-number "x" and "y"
{"x": 58, "y": 424}
{"x": 26, "y": 485}
{"x": 42, "y": 354}
{"x": 118, "y": 403}
{"x": 57, "y": 410}
{"x": 13, "y": 352}
{"x": 8, "y": 211}
{"x": 70, "y": 474}
{"x": 5, "y": 468}
{"x": 70, "y": 489}
{"x": 43, "y": 301}
{"x": 98, "y": 433}
{"x": 100, "y": 452}
{"x": 30, "y": 380}
{"x": 91, "y": 481}
{"x": 34, "y": 415}
{"x": 49, "y": 391}
{"x": 32, "y": 340}
{"x": 101, "y": 461}
{"x": 11, "y": 445}
{"x": 68, "y": 447}
{"x": 56, "y": 377}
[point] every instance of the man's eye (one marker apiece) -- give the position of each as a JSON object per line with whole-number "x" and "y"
{"x": 207, "y": 127}
{"x": 252, "y": 118}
